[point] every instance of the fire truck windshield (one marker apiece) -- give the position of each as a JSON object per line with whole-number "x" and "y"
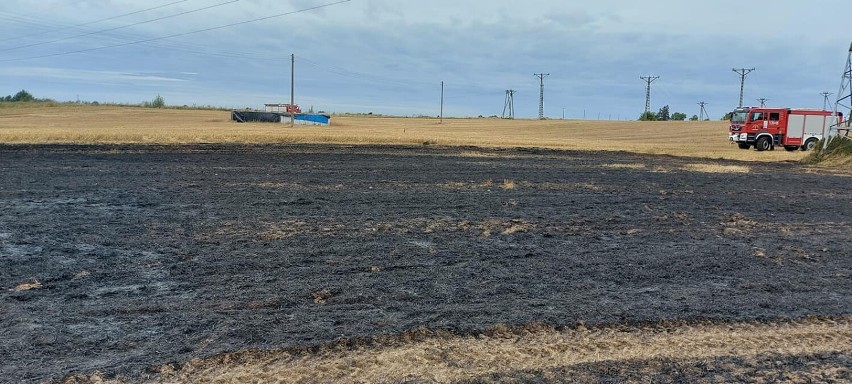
{"x": 739, "y": 117}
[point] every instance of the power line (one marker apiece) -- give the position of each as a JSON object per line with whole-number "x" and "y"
{"x": 119, "y": 27}
{"x": 408, "y": 83}
{"x": 648, "y": 80}
{"x": 343, "y": 72}
{"x": 24, "y": 19}
{"x": 181, "y": 34}
{"x": 541, "y": 76}
{"x": 743, "y": 72}
{"x": 203, "y": 50}
{"x": 94, "y": 21}
{"x": 197, "y": 49}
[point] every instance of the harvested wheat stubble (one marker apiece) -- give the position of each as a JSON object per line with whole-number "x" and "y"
{"x": 537, "y": 349}
{"x": 26, "y": 286}
{"x": 76, "y": 124}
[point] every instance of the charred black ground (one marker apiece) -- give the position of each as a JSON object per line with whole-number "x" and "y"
{"x": 146, "y": 255}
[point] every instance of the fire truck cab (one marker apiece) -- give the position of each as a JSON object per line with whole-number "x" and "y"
{"x": 765, "y": 128}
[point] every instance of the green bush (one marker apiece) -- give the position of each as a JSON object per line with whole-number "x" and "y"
{"x": 24, "y": 96}
{"x": 158, "y": 102}
{"x": 648, "y": 116}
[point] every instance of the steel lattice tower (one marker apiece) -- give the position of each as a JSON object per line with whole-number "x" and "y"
{"x": 843, "y": 103}
{"x": 825, "y": 96}
{"x": 703, "y": 113}
{"x": 648, "y": 80}
{"x": 743, "y": 72}
{"x": 541, "y": 76}
{"x": 509, "y": 104}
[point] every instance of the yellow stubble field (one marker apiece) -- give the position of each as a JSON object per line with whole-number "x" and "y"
{"x": 84, "y": 124}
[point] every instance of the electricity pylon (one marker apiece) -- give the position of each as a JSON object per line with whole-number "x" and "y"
{"x": 743, "y": 72}
{"x": 648, "y": 80}
{"x": 825, "y": 96}
{"x": 843, "y": 103}
{"x": 541, "y": 95}
{"x": 509, "y": 105}
{"x": 702, "y": 115}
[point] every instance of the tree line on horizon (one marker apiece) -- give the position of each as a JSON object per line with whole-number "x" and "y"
{"x": 664, "y": 115}
{"x": 21, "y": 96}
{"x": 25, "y": 97}
{"x": 159, "y": 102}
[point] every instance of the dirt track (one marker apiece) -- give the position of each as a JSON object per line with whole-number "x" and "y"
{"x": 147, "y": 255}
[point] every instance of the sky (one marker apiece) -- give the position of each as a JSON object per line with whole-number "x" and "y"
{"x": 390, "y": 56}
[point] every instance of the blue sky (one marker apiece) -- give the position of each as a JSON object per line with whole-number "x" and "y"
{"x": 389, "y": 57}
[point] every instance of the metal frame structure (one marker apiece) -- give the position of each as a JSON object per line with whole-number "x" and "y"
{"x": 843, "y": 104}
{"x": 743, "y": 72}
{"x": 703, "y": 113}
{"x": 509, "y": 105}
{"x": 541, "y": 77}
{"x": 648, "y": 80}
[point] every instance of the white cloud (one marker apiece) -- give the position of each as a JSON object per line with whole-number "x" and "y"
{"x": 78, "y": 75}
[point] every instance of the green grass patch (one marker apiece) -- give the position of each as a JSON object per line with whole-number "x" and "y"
{"x": 837, "y": 152}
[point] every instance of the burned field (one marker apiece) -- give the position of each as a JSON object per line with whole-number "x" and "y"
{"x": 120, "y": 259}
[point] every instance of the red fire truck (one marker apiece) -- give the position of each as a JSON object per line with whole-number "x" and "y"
{"x": 765, "y": 128}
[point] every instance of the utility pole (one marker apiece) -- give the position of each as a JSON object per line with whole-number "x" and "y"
{"x": 762, "y": 101}
{"x": 541, "y": 76}
{"x": 563, "y": 113}
{"x": 292, "y": 89}
{"x": 703, "y": 113}
{"x": 648, "y": 80}
{"x": 441, "y": 121}
{"x": 743, "y": 72}
{"x": 825, "y": 96}
{"x": 509, "y": 105}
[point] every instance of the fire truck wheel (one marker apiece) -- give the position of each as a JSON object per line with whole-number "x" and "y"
{"x": 791, "y": 148}
{"x": 762, "y": 144}
{"x": 809, "y": 145}
{"x": 744, "y": 145}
